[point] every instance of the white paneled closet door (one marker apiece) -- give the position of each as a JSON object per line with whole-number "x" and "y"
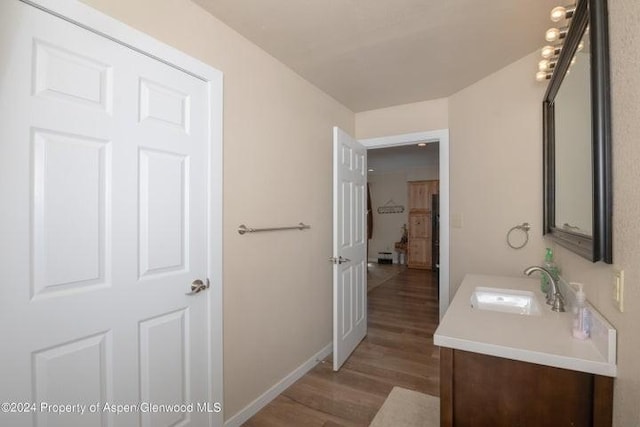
{"x": 103, "y": 183}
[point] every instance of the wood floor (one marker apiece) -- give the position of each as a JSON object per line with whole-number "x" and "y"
{"x": 398, "y": 351}
{"x": 377, "y": 274}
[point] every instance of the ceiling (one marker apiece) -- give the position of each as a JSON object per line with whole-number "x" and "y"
{"x": 370, "y": 54}
{"x": 402, "y": 158}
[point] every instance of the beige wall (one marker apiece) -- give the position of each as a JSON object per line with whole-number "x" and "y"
{"x": 496, "y": 171}
{"x": 387, "y": 228}
{"x": 624, "y": 40}
{"x": 400, "y": 119}
{"x": 277, "y": 171}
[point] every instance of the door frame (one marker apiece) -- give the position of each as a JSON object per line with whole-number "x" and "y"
{"x": 101, "y": 24}
{"x": 441, "y": 136}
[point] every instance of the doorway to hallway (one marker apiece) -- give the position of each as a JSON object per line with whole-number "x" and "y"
{"x": 442, "y": 138}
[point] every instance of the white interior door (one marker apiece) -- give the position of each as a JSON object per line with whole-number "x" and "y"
{"x": 104, "y": 157}
{"x": 349, "y": 245}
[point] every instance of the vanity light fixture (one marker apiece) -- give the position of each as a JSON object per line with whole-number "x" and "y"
{"x": 550, "y": 53}
{"x": 370, "y": 170}
{"x": 422, "y": 144}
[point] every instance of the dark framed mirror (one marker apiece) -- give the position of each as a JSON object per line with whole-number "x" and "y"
{"x": 577, "y": 210}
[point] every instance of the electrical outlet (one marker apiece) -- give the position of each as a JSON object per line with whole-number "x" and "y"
{"x": 618, "y": 288}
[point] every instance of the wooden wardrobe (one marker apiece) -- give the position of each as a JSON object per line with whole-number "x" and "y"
{"x": 420, "y": 217}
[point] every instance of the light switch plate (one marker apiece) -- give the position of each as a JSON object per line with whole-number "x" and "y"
{"x": 456, "y": 220}
{"x": 618, "y": 288}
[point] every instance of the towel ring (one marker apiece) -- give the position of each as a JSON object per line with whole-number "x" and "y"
{"x": 524, "y": 227}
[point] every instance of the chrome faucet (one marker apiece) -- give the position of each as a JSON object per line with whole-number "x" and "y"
{"x": 554, "y": 297}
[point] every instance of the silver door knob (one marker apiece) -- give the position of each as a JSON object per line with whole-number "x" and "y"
{"x": 198, "y": 286}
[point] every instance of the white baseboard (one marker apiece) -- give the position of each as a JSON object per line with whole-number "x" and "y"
{"x": 251, "y": 409}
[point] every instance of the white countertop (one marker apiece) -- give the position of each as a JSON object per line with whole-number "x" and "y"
{"x": 545, "y": 339}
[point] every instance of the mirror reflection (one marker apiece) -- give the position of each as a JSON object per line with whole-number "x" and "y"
{"x": 573, "y": 147}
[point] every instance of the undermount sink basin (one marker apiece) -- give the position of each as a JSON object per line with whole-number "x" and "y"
{"x": 505, "y": 300}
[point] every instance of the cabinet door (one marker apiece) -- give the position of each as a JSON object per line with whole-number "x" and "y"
{"x": 420, "y": 193}
{"x": 420, "y": 225}
{"x": 419, "y": 245}
{"x": 419, "y": 254}
{"x": 520, "y": 393}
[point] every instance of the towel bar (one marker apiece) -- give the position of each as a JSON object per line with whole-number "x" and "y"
{"x": 242, "y": 229}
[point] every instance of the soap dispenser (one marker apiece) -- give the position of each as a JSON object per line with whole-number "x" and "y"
{"x": 552, "y": 268}
{"x": 581, "y": 321}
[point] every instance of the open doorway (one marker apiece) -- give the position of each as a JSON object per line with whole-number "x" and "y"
{"x": 403, "y": 226}
{"x": 350, "y": 252}
{"x": 406, "y": 144}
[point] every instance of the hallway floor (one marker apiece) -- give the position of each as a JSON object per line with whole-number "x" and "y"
{"x": 377, "y": 274}
{"x": 398, "y": 351}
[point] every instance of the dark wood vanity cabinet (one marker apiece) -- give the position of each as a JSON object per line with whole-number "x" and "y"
{"x": 477, "y": 390}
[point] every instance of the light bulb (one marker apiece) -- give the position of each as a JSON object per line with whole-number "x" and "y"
{"x": 573, "y": 60}
{"x": 544, "y": 65}
{"x": 555, "y": 34}
{"x": 552, "y": 35}
{"x": 541, "y": 76}
{"x": 549, "y": 51}
{"x": 580, "y": 45}
{"x": 557, "y": 13}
